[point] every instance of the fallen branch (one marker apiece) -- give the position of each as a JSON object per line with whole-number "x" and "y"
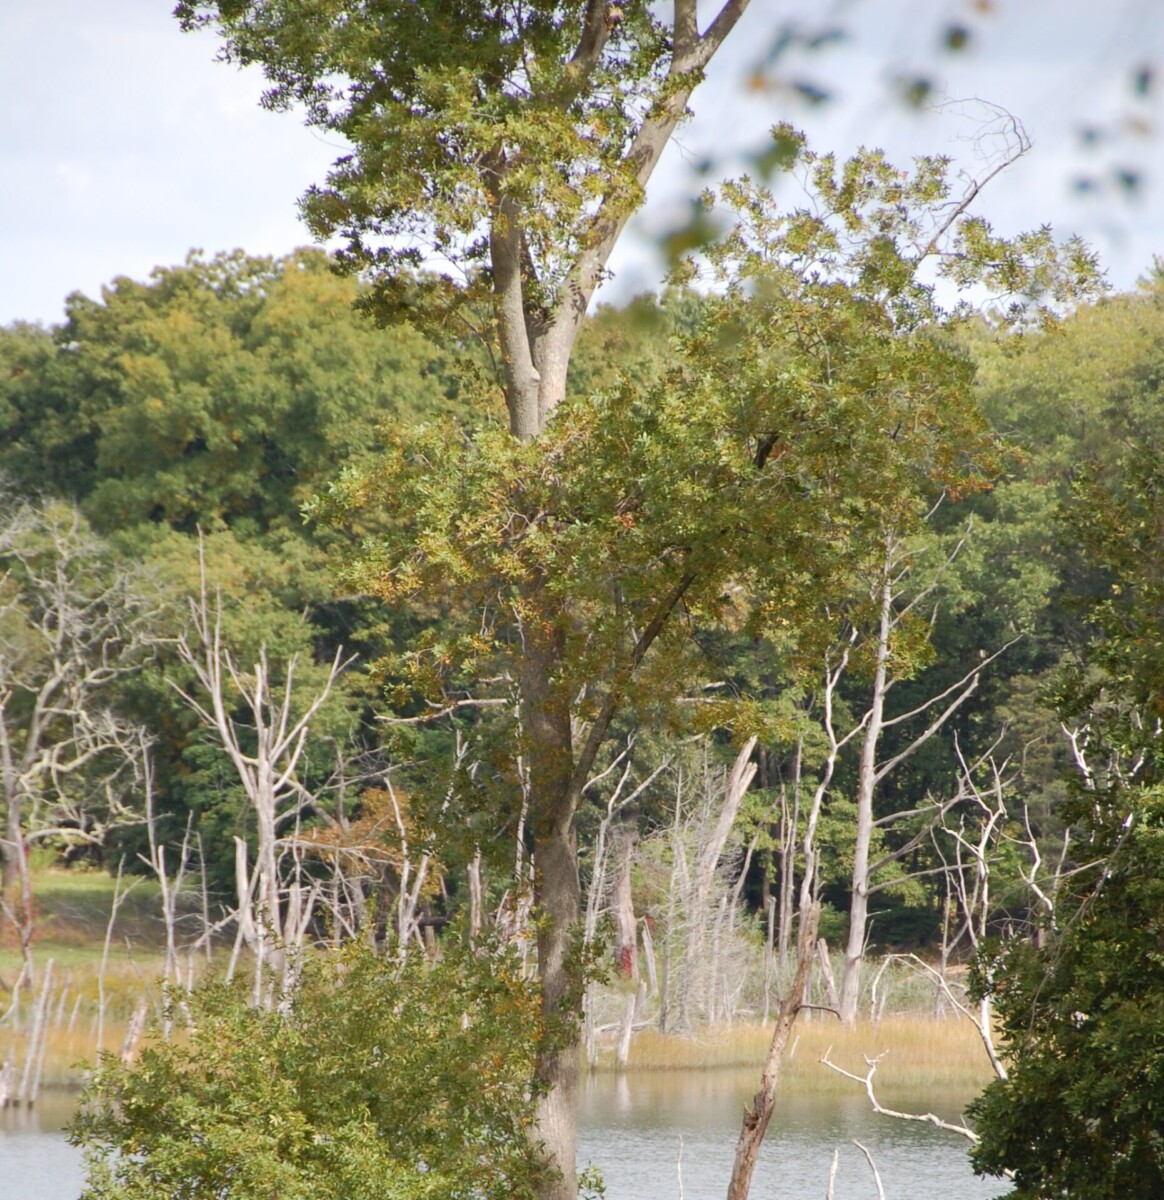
{"x": 867, "y": 1080}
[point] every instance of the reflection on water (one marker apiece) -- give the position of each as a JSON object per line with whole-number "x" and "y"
{"x": 666, "y": 1135}
{"x": 36, "y": 1163}
{"x": 655, "y": 1136}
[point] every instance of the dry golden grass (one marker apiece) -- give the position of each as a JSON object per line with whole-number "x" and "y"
{"x": 74, "y": 1033}
{"x": 67, "y": 1053}
{"x": 918, "y": 1052}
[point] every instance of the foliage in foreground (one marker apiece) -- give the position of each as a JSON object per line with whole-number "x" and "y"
{"x": 380, "y": 1077}
{"x": 1082, "y": 1114}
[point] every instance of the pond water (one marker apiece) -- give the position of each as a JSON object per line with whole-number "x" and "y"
{"x": 36, "y": 1163}
{"x": 658, "y": 1136}
{"x": 672, "y": 1136}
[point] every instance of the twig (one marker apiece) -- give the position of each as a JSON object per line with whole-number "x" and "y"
{"x": 873, "y": 1168}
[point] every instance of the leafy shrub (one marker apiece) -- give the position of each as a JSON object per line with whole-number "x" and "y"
{"x": 382, "y": 1077}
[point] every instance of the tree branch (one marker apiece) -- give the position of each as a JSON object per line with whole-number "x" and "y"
{"x": 614, "y": 696}
{"x": 867, "y": 1081}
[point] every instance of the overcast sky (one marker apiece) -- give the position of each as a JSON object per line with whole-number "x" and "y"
{"x": 123, "y": 144}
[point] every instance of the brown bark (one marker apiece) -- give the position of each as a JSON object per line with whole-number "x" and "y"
{"x": 535, "y": 352}
{"x": 548, "y": 746}
{"x": 758, "y": 1114}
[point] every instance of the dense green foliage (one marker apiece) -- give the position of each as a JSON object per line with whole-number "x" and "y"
{"x": 462, "y": 105}
{"x": 220, "y": 393}
{"x": 732, "y": 461}
{"x": 1082, "y": 1111}
{"x": 380, "y": 1076}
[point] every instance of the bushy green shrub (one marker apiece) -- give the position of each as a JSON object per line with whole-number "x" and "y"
{"x": 382, "y": 1077}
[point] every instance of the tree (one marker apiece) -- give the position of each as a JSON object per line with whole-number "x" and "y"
{"x": 515, "y": 144}
{"x": 219, "y": 393}
{"x": 73, "y": 624}
{"x": 379, "y": 1076}
{"x": 898, "y": 639}
{"x": 1082, "y": 1109}
{"x": 265, "y": 753}
{"x": 748, "y": 488}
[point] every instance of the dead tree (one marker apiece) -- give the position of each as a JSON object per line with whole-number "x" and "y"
{"x": 265, "y": 748}
{"x": 896, "y": 600}
{"x": 721, "y": 806}
{"x": 758, "y": 1114}
{"x": 72, "y": 626}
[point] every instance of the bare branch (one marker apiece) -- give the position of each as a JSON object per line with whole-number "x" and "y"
{"x": 445, "y": 710}
{"x": 873, "y": 1168}
{"x": 866, "y": 1081}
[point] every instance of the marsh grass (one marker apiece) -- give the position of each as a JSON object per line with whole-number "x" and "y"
{"x": 918, "y": 1052}
{"x": 72, "y": 915}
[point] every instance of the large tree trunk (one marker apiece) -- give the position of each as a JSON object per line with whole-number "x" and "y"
{"x": 558, "y": 1058}
{"x": 536, "y": 347}
{"x": 548, "y": 744}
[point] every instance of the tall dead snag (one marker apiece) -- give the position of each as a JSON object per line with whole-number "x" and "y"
{"x": 265, "y": 747}
{"x": 72, "y": 625}
{"x": 758, "y": 1114}
{"x": 897, "y": 600}
{"x": 708, "y": 854}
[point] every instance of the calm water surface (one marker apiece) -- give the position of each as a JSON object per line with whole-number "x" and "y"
{"x": 672, "y": 1136}
{"x": 665, "y": 1136}
{"x": 36, "y": 1163}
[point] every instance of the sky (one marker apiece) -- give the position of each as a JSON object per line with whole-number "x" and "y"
{"x": 124, "y": 144}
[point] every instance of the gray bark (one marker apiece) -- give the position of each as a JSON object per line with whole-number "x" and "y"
{"x": 535, "y": 351}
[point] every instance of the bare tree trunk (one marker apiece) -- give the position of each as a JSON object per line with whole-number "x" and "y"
{"x": 649, "y": 958}
{"x": 866, "y": 782}
{"x": 678, "y": 867}
{"x": 268, "y": 774}
{"x": 625, "y": 925}
{"x": 895, "y": 569}
{"x": 626, "y": 1028}
{"x": 789, "y": 820}
{"x": 708, "y": 855}
{"x": 768, "y": 959}
{"x": 476, "y": 898}
{"x": 16, "y": 900}
{"x": 826, "y": 970}
{"x": 758, "y": 1114}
